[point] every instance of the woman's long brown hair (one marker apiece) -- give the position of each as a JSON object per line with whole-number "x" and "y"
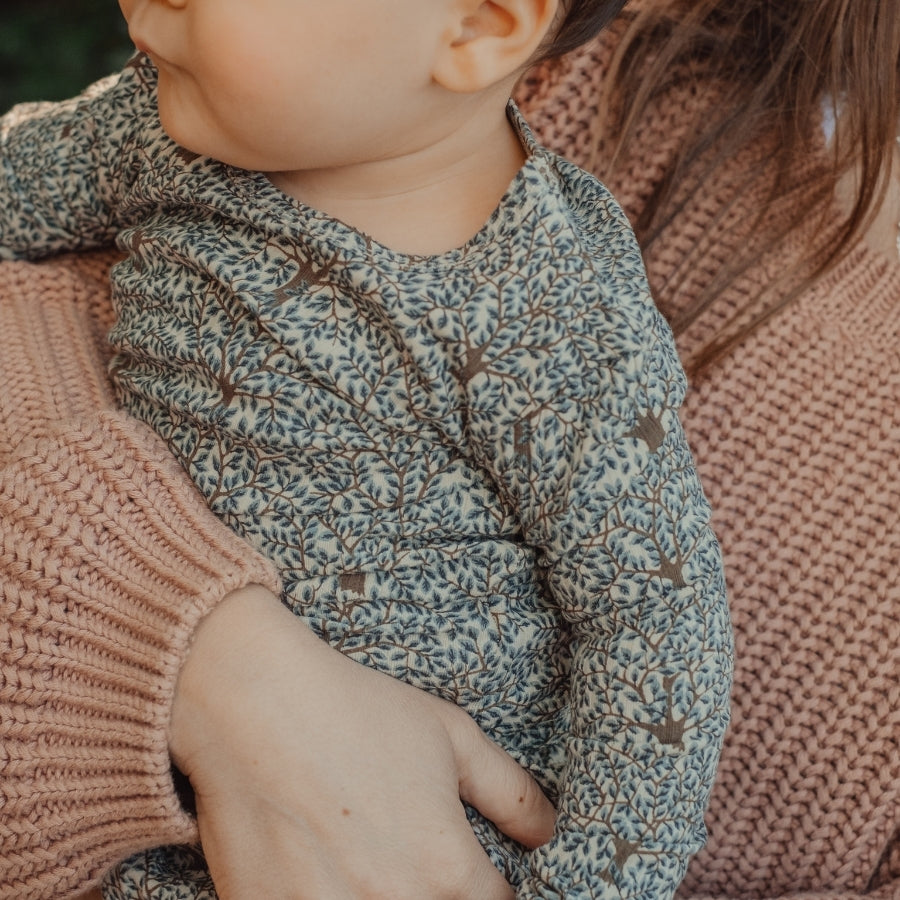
{"x": 776, "y": 65}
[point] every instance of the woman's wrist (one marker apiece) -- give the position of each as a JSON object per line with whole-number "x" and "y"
{"x": 225, "y": 649}
{"x": 217, "y": 637}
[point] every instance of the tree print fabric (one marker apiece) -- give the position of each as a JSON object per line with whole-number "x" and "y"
{"x": 468, "y": 467}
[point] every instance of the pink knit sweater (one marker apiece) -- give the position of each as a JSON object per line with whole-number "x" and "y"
{"x": 109, "y": 559}
{"x": 797, "y": 439}
{"x": 107, "y": 562}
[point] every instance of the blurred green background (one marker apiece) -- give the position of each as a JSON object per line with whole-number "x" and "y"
{"x": 51, "y": 50}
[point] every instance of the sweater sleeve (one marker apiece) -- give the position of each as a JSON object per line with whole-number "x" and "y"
{"x": 108, "y": 561}
{"x": 62, "y": 165}
{"x": 607, "y": 492}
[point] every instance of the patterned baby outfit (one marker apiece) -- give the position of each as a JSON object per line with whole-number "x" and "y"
{"x": 468, "y": 467}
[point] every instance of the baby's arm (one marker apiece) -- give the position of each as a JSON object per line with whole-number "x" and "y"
{"x": 607, "y": 492}
{"x": 61, "y": 166}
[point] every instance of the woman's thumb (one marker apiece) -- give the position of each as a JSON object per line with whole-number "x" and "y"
{"x": 498, "y": 787}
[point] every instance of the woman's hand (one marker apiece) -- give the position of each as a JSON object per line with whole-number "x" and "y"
{"x": 318, "y": 779}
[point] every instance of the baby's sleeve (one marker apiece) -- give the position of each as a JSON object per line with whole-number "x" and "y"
{"x": 607, "y": 493}
{"x": 62, "y": 165}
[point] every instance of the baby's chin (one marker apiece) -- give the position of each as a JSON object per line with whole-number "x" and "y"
{"x": 175, "y": 119}
{"x": 195, "y": 142}
{"x": 186, "y": 125}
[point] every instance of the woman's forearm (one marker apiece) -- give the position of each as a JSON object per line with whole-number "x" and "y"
{"x": 108, "y": 561}
{"x": 105, "y": 575}
{"x": 128, "y": 616}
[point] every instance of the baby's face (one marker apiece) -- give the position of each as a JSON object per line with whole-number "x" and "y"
{"x": 282, "y": 85}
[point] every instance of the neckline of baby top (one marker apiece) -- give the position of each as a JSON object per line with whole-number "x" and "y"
{"x": 547, "y": 190}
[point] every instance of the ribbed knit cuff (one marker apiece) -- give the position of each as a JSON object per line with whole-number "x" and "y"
{"x": 108, "y": 561}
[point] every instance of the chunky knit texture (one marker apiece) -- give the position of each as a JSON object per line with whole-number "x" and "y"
{"x": 107, "y": 563}
{"x": 796, "y": 436}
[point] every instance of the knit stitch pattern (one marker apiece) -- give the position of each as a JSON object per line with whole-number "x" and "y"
{"x": 106, "y": 565}
{"x": 796, "y": 437}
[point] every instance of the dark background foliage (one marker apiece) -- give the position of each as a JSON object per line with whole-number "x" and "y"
{"x": 51, "y": 49}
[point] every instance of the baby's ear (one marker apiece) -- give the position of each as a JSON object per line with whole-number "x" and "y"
{"x": 489, "y": 40}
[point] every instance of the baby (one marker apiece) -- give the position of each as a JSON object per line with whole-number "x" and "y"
{"x": 412, "y": 357}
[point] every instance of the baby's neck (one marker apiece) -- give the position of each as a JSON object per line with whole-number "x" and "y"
{"x": 421, "y": 203}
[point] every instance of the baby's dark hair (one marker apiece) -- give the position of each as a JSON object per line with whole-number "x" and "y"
{"x": 581, "y": 20}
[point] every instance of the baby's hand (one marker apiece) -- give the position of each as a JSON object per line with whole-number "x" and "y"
{"x": 319, "y": 779}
